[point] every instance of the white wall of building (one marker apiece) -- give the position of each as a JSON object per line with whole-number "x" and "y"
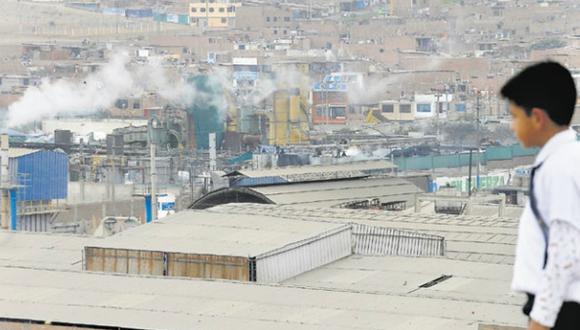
{"x": 428, "y": 102}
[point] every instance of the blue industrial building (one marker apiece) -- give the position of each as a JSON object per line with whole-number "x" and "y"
{"x": 41, "y": 175}
{"x": 40, "y": 180}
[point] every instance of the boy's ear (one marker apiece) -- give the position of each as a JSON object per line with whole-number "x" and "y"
{"x": 540, "y": 118}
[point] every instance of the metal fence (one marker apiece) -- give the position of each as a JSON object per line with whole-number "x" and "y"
{"x": 372, "y": 240}
{"x": 299, "y": 257}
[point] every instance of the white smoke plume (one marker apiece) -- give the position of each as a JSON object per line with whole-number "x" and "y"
{"x": 374, "y": 89}
{"x": 98, "y": 91}
{"x": 283, "y": 79}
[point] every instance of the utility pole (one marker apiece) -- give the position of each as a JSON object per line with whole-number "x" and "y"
{"x": 478, "y": 143}
{"x": 469, "y": 176}
{"x": 153, "y": 171}
{"x": 154, "y": 127}
{"x": 437, "y": 96}
{"x": 153, "y": 182}
{"x": 82, "y": 170}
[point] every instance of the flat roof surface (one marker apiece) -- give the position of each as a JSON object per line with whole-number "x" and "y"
{"x": 202, "y": 232}
{"x": 42, "y": 250}
{"x": 485, "y": 210}
{"x": 166, "y": 303}
{"x": 470, "y": 281}
{"x": 470, "y": 238}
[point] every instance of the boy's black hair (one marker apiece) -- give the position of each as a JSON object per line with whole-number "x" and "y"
{"x": 546, "y": 85}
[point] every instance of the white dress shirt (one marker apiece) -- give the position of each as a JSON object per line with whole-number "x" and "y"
{"x": 557, "y": 191}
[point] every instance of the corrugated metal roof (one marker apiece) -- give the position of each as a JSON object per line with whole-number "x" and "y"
{"x": 41, "y": 175}
{"x": 472, "y": 238}
{"x": 203, "y": 232}
{"x": 288, "y": 171}
{"x": 155, "y": 303}
{"x": 353, "y": 293}
{"x": 332, "y": 193}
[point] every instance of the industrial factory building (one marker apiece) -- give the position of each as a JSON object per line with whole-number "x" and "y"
{"x": 336, "y": 193}
{"x": 36, "y": 186}
{"x": 337, "y": 185}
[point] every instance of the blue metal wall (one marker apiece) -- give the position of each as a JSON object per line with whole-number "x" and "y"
{"x": 256, "y": 182}
{"x": 42, "y": 175}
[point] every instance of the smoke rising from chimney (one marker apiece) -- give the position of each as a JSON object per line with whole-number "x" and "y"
{"x": 98, "y": 91}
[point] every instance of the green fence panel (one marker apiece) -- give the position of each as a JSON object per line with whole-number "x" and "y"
{"x": 498, "y": 153}
{"x": 519, "y": 151}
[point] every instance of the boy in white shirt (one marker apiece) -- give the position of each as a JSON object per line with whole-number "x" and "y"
{"x": 547, "y": 265}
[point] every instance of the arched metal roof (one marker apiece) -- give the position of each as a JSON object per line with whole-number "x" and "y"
{"x": 230, "y": 195}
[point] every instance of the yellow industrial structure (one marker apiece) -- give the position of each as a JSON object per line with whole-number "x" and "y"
{"x": 289, "y": 120}
{"x": 375, "y": 117}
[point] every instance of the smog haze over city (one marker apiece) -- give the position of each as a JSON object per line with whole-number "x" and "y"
{"x": 252, "y": 164}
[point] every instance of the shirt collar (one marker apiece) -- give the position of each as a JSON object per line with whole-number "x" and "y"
{"x": 554, "y": 143}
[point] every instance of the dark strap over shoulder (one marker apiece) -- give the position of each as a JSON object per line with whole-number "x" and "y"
{"x": 534, "y": 206}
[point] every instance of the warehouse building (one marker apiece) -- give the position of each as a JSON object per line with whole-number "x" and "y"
{"x": 246, "y": 247}
{"x": 390, "y": 191}
{"x": 37, "y": 185}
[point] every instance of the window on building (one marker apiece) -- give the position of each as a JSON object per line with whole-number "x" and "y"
{"x": 405, "y": 108}
{"x": 285, "y": 32}
{"x": 267, "y": 18}
{"x": 222, "y": 10}
{"x": 275, "y": 31}
{"x": 224, "y": 20}
{"x": 194, "y": 10}
{"x": 337, "y": 112}
{"x": 202, "y": 10}
{"x": 286, "y": 19}
{"x": 424, "y": 107}
{"x": 388, "y": 108}
{"x": 231, "y": 9}
{"x": 211, "y": 9}
{"x": 275, "y": 19}
{"x": 460, "y": 107}
{"x": 136, "y": 105}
